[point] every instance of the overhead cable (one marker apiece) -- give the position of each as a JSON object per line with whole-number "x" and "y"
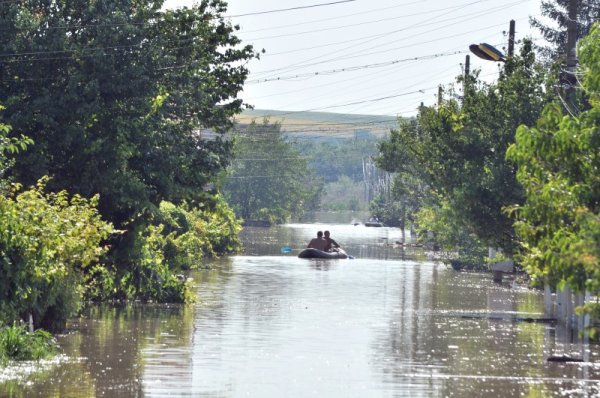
{"x": 287, "y": 26}
{"x": 303, "y": 64}
{"x": 362, "y": 23}
{"x": 354, "y": 68}
{"x": 291, "y": 9}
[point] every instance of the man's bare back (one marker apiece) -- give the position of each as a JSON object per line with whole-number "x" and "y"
{"x": 319, "y": 242}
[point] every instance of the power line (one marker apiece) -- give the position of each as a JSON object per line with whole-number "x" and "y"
{"x": 364, "y": 40}
{"x": 333, "y": 18}
{"x": 291, "y": 9}
{"x": 371, "y": 100}
{"x": 303, "y": 64}
{"x": 396, "y": 48}
{"x": 357, "y": 156}
{"x": 312, "y": 126}
{"x": 353, "y": 68}
{"x": 379, "y": 75}
{"x": 353, "y": 87}
{"x": 355, "y": 24}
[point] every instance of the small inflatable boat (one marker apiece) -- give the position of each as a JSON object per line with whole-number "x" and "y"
{"x": 316, "y": 253}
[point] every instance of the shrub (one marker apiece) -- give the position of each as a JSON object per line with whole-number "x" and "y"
{"x": 47, "y": 243}
{"x": 194, "y": 234}
{"x": 17, "y": 344}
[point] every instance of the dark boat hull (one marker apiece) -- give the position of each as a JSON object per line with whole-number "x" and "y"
{"x": 316, "y": 253}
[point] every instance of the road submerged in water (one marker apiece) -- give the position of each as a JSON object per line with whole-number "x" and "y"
{"x": 267, "y": 324}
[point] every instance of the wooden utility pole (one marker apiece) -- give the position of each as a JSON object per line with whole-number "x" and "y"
{"x": 511, "y": 39}
{"x": 439, "y": 96}
{"x": 466, "y": 76}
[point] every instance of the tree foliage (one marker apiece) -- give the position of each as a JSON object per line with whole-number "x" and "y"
{"x": 339, "y": 161}
{"x": 117, "y": 96}
{"x": 129, "y": 101}
{"x": 194, "y": 234}
{"x": 557, "y": 10}
{"x": 458, "y": 150}
{"x": 339, "y": 156}
{"x": 559, "y": 165}
{"x": 399, "y": 208}
{"x": 48, "y": 241}
{"x": 270, "y": 180}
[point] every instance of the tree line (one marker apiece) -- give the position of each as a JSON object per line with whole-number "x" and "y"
{"x": 112, "y": 151}
{"x": 512, "y": 165}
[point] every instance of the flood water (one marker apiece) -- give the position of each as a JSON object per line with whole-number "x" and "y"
{"x": 388, "y": 323}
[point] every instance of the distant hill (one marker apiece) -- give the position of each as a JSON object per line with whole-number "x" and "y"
{"x": 322, "y": 123}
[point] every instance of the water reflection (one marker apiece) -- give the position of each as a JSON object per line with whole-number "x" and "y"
{"x": 269, "y": 324}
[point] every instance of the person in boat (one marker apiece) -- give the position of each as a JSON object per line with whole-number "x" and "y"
{"x": 331, "y": 244}
{"x": 318, "y": 243}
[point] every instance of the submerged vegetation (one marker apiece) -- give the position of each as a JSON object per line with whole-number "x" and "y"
{"x": 18, "y": 344}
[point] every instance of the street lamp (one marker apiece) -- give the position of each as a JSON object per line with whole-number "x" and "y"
{"x": 487, "y": 52}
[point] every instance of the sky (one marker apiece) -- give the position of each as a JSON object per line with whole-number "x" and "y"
{"x": 371, "y": 57}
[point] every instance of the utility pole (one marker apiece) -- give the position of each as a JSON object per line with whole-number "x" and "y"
{"x": 511, "y": 39}
{"x": 439, "y": 97}
{"x": 466, "y": 76}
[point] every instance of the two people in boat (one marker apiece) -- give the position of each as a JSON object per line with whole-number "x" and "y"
{"x": 323, "y": 242}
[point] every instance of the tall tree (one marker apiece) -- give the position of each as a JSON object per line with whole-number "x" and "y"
{"x": 117, "y": 96}
{"x": 270, "y": 179}
{"x": 458, "y": 149}
{"x": 558, "y": 163}
{"x": 557, "y": 11}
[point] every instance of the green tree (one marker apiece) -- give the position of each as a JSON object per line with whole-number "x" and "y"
{"x": 457, "y": 151}
{"x": 270, "y": 180}
{"x": 125, "y": 100}
{"x": 399, "y": 208}
{"x": 558, "y": 163}
{"x": 557, "y": 10}
{"x": 332, "y": 158}
{"x": 9, "y": 146}
{"x": 343, "y": 194}
{"x": 118, "y": 97}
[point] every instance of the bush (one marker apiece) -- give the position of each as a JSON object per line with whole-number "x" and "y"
{"x": 17, "y": 344}
{"x": 438, "y": 227}
{"x": 47, "y": 243}
{"x": 194, "y": 234}
{"x": 154, "y": 255}
{"x": 149, "y": 277}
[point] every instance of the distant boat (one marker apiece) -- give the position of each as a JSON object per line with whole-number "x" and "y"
{"x": 373, "y": 224}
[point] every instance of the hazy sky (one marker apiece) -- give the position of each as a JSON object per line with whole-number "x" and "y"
{"x": 380, "y": 57}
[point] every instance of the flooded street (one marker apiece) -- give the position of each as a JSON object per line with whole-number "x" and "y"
{"x": 388, "y": 323}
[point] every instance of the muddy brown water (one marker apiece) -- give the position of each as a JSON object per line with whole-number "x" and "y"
{"x": 388, "y": 323}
